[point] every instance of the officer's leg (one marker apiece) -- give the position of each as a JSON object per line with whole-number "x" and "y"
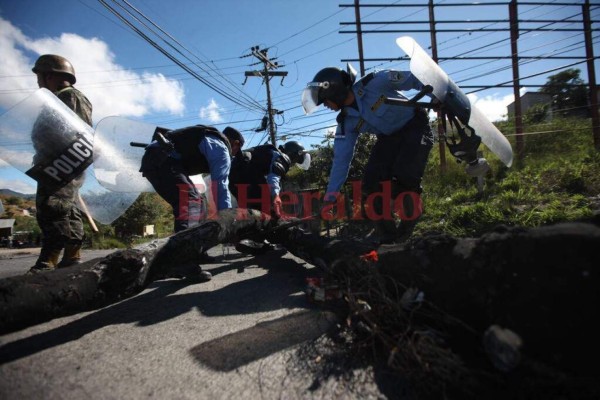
{"x": 174, "y": 186}
{"x": 50, "y": 219}
{"x": 72, "y": 254}
{"x": 409, "y": 168}
{"x": 378, "y": 205}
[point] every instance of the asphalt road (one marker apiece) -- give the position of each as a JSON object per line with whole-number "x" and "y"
{"x": 249, "y": 333}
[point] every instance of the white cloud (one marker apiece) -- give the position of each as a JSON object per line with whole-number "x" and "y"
{"x": 112, "y": 89}
{"x": 493, "y": 106}
{"x": 211, "y": 112}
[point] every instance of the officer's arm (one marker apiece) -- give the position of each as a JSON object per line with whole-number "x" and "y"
{"x": 273, "y": 178}
{"x": 219, "y": 163}
{"x": 343, "y": 151}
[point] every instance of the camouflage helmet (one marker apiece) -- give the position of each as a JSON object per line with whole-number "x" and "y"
{"x": 54, "y": 63}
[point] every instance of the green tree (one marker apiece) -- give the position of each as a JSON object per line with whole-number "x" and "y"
{"x": 322, "y": 158}
{"x": 536, "y": 114}
{"x": 148, "y": 209}
{"x": 569, "y": 95}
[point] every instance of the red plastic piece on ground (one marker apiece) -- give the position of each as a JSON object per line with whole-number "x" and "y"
{"x": 372, "y": 256}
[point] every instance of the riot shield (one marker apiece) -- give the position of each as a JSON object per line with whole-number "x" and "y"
{"x": 117, "y": 163}
{"x": 454, "y": 100}
{"x": 45, "y": 139}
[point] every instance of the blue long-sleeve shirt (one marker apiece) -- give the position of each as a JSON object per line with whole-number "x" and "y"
{"x": 273, "y": 179}
{"x": 219, "y": 162}
{"x": 369, "y": 114}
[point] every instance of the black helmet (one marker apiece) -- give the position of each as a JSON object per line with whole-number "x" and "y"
{"x": 297, "y": 154}
{"x": 233, "y": 135}
{"x": 54, "y": 63}
{"x": 331, "y": 84}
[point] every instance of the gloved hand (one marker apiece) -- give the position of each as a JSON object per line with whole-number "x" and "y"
{"x": 277, "y": 206}
{"x": 327, "y": 211}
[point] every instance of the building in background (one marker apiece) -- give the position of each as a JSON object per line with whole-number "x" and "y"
{"x": 531, "y": 99}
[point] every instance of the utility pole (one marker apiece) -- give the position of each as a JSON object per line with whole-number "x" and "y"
{"x": 359, "y": 37}
{"x": 266, "y": 73}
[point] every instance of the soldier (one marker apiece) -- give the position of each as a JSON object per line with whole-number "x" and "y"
{"x": 177, "y": 154}
{"x": 59, "y": 219}
{"x": 404, "y": 140}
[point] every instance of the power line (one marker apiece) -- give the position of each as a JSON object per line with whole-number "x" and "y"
{"x": 231, "y": 85}
{"x": 178, "y": 62}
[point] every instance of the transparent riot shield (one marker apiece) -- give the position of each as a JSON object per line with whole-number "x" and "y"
{"x": 117, "y": 162}
{"x": 447, "y": 92}
{"x": 45, "y": 139}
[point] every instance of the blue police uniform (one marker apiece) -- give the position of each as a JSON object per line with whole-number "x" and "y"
{"x": 219, "y": 162}
{"x": 370, "y": 114}
{"x": 256, "y": 167}
{"x": 404, "y": 137}
{"x": 169, "y": 174}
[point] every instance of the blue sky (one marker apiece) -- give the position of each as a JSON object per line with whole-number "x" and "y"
{"x": 124, "y": 75}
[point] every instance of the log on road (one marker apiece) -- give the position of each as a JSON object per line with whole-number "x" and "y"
{"x": 32, "y": 299}
{"x": 538, "y": 284}
{"x": 515, "y": 307}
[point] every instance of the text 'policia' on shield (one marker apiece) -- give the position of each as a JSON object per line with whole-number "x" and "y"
{"x": 69, "y": 164}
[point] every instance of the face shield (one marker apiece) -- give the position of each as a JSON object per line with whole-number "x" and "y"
{"x": 310, "y": 96}
{"x": 305, "y": 164}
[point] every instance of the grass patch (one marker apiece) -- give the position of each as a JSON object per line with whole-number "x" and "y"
{"x": 554, "y": 182}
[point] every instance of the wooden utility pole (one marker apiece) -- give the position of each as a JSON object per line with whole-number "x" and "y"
{"x": 514, "y": 36}
{"x": 440, "y": 115}
{"x": 589, "y": 52}
{"x": 359, "y": 37}
{"x": 266, "y": 73}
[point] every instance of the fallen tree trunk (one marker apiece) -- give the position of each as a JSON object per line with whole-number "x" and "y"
{"x": 521, "y": 300}
{"x": 510, "y": 312}
{"x": 31, "y": 299}
{"x": 541, "y": 283}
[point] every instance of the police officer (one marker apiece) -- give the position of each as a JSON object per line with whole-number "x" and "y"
{"x": 404, "y": 139}
{"x": 178, "y": 154}
{"x": 259, "y": 170}
{"x": 59, "y": 219}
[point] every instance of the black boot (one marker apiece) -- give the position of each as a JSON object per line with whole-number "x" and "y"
{"x": 199, "y": 275}
{"x": 384, "y": 232}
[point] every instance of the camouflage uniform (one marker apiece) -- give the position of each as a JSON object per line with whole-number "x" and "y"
{"x": 58, "y": 217}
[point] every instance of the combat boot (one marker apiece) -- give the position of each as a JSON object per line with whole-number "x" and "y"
{"x": 72, "y": 255}
{"x": 405, "y": 230}
{"x": 384, "y": 232}
{"x": 47, "y": 261}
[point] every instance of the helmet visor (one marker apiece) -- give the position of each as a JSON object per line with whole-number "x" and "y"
{"x": 305, "y": 164}
{"x": 310, "y": 96}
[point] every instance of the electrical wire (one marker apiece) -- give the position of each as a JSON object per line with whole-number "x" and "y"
{"x": 179, "y": 63}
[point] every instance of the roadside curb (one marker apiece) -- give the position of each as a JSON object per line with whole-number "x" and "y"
{"x": 10, "y": 253}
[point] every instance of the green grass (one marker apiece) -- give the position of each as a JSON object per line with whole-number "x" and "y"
{"x": 559, "y": 172}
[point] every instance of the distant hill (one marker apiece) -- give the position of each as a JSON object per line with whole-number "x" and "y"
{"x": 9, "y": 192}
